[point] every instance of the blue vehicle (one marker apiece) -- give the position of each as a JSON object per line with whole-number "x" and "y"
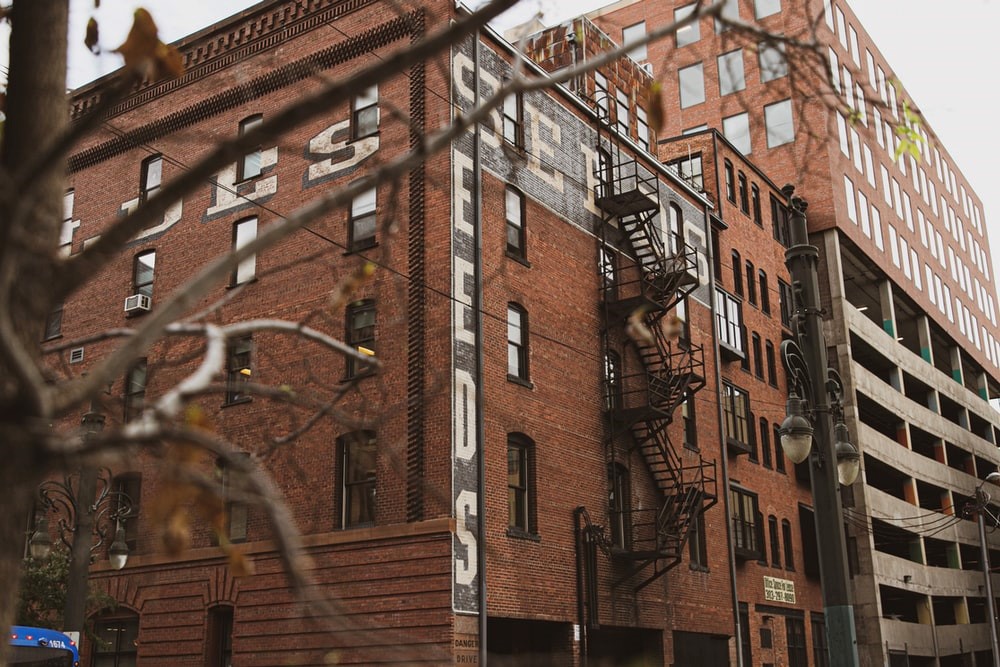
{"x": 38, "y": 647}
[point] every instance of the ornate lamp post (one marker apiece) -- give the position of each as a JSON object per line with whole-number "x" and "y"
{"x": 88, "y": 509}
{"x": 980, "y": 507}
{"x": 809, "y": 431}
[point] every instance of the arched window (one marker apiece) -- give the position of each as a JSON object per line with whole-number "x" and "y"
{"x": 520, "y": 483}
{"x": 117, "y": 640}
{"x": 219, "y": 642}
{"x": 786, "y": 534}
{"x": 765, "y": 443}
{"x": 620, "y": 505}
{"x": 751, "y": 283}
{"x": 737, "y": 273}
{"x": 517, "y": 342}
{"x": 765, "y": 296}
{"x": 772, "y": 527}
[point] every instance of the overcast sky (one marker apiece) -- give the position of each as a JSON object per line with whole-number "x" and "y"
{"x": 943, "y": 53}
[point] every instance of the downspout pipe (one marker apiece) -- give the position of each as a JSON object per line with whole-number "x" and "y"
{"x": 477, "y": 274}
{"x": 724, "y": 457}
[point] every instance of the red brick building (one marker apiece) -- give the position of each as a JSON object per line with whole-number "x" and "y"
{"x": 638, "y": 512}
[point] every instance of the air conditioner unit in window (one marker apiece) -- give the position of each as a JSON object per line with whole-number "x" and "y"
{"x": 138, "y": 303}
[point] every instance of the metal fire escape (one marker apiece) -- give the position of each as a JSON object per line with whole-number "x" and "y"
{"x": 644, "y": 278}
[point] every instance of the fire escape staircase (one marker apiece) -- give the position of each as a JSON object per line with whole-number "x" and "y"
{"x": 669, "y": 372}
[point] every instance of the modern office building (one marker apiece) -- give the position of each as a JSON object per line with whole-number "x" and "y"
{"x": 907, "y": 287}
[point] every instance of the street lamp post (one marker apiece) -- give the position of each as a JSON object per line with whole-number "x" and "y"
{"x": 809, "y": 430}
{"x": 87, "y": 510}
{"x": 982, "y": 500}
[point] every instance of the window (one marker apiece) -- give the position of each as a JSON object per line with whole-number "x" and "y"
{"x": 361, "y": 227}
{"x": 778, "y": 121}
{"x": 779, "y": 222}
{"x": 729, "y": 316}
{"x": 53, "y": 323}
{"x": 730, "y": 181}
{"x": 360, "y": 334}
{"x": 244, "y": 232}
{"x": 690, "y": 422}
{"x": 619, "y": 506}
{"x": 795, "y": 632}
{"x": 642, "y": 127}
{"x": 746, "y": 645}
{"x": 697, "y": 542}
{"x": 771, "y": 58}
{"x": 135, "y": 390}
{"x": 786, "y": 538}
{"x": 751, "y": 283}
{"x": 764, "y": 8}
{"x": 622, "y": 111}
{"x": 250, "y": 164}
{"x": 517, "y": 342}
{"x": 238, "y": 370}
{"x": 692, "y": 85}
{"x": 779, "y": 454}
{"x": 744, "y": 200}
{"x": 127, "y": 507}
{"x": 364, "y": 113}
{"x": 150, "y": 177}
{"x": 785, "y": 303}
{"x": 772, "y": 370}
{"x": 772, "y": 529}
{"x": 675, "y": 231}
{"x": 755, "y": 205}
{"x": 737, "y": 130}
{"x": 66, "y": 230}
{"x": 730, "y": 10}
{"x": 765, "y": 296}
{"x": 514, "y": 204}
{"x": 736, "y": 414}
{"x": 731, "y": 78}
{"x": 737, "y": 273}
{"x": 612, "y": 380}
{"x": 633, "y": 33}
{"x": 358, "y": 454}
{"x": 758, "y": 362}
{"x": 765, "y": 443}
{"x": 142, "y": 273}
{"x": 821, "y": 656}
{"x": 520, "y": 484}
{"x": 609, "y": 272}
{"x": 236, "y": 511}
{"x": 690, "y": 169}
{"x": 513, "y": 113}
{"x": 219, "y": 641}
{"x": 746, "y": 524}
{"x": 602, "y": 97}
{"x": 690, "y": 33}
{"x": 117, "y": 641}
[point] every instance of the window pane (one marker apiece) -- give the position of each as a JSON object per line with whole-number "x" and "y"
{"x": 737, "y": 130}
{"x": 632, "y": 33}
{"x": 731, "y": 77}
{"x": 772, "y": 61}
{"x": 154, "y": 173}
{"x": 778, "y": 119}
{"x": 692, "y": 85}
{"x": 689, "y": 34}
{"x": 246, "y": 231}
{"x": 767, "y": 7}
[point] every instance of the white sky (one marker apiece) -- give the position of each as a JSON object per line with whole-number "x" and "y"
{"x": 942, "y": 52}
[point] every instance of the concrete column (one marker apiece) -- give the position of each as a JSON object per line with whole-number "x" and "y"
{"x": 924, "y": 333}
{"x": 933, "y": 404}
{"x": 910, "y": 492}
{"x": 940, "y": 452}
{"x": 924, "y": 614}
{"x": 903, "y": 434}
{"x": 888, "y": 307}
{"x": 982, "y": 386}
{"x": 961, "y": 612}
{"x": 955, "y": 354}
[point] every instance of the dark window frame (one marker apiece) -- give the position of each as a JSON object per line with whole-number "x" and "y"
{"x": 744, "y": 195}
{"x": 698, "y": 542}
{"x": 518, "y": 349}
{"x": 755, "y": 205}
{"x": 250, "y": 164}
{"x": 786, "y": 307}
{"x": 219, "y": 640}
{"x": 795, "y": 642}
{"x": 357, "y": 485}
{"x": 512, "y": 118}
{"x": 786, "y": 538}
{"x": 239, "y": 368}
{"x": 737, "y": 262}
{"x": 111, "y": 650}
{"x": 620, "y": 505}
{"x": 730, "y": 181}
{"x": 515, "y": 227}
{"x": 360, "y": 320}
{"x": 134, "y": 397}
{"x": 251, "y": 261}
{"x": 775, "y": 541}
{"x": 149, "y": 186}
{"x": 521, "y": 516}
{"x": 745, "y": 516}
{"x": 140, "y": 284}
{"x": 365, "y": 114}
{"x": 779, "y": 453}
{"x": 772, "y": 364}
{"x": 359, "y": 239}
{"x": 751, "y": 283}
{"x": 237, "y": 512}
{"x": 736, "y": 417}
{"x": 129, "y": 484}
{"x": 765, "y": 296}
{"x": 758, "y": 357}
{"x": 765, "y": 443}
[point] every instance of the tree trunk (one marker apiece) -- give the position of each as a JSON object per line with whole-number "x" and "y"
{"x": 30, "y": 218}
